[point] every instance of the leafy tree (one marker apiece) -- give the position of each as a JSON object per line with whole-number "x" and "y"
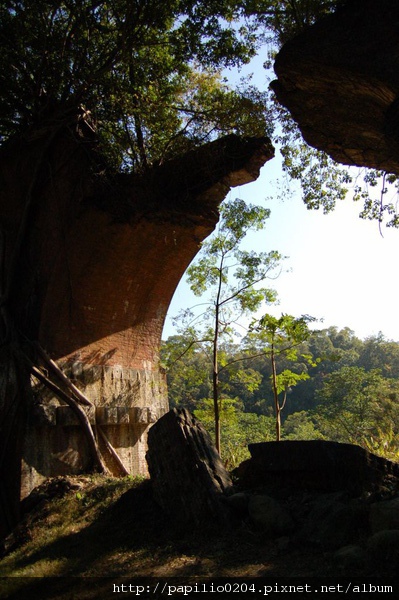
{"x": 230, "y": 278}
{"x": 190, "y": 378}
{"x": 301, "y": 426}
{"x": 357, "y": 405}
{"x": 379, "y": 353}
{"x": 146, "y": 80}
{"x": 351, "y": 394}
{"x": 239, "y": 429}
{"x": 322, "y": 181}
{"x": 331, "y": 348}
{"x": 384, "y": 442}
{"x": 285, "y": 18}
{"x": 248, "y": 428}
{"x": 282, "y": 337}
{"x": 188, "y": 373}
{"x": 141, "y": 73}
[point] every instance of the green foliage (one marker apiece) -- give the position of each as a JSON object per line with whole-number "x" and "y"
{"x": 281, "y": 337}
{"x": 189, "y": 378}
{"x": 228, "y": 274}
{"x": 378, "y": 353}
{"x": 145, "y": 73}
{"x": 227, "y": 412}
{"x": 230, "y": 278}
{"x": 249, "y": 428}
{"x": 288, "y": 379}
{"x": 378, "y": 192}
{"x": 285, "y": 18}
{"x": 356, "y": 405}
{"x": 351, "y": 393}
{"x": 238, "y": 429}
{"x": 331, "y": 348}
{"x": 384, "y": 442}
{"x": 301, "y": 426}
{"x": 322, "y": 181}
{"x": 147, "y": 78}
{"x": 285, "y": 332}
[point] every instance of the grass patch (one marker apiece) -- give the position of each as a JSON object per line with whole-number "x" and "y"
{"x": 111, "y": 528}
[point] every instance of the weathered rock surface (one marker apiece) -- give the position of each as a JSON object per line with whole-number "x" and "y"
{"x": 269, "y": 516}
{"x": 383, "y": 549}
{"x": 314, "y": 465}
{"x": 384, "y": 515}
{"x": 330, "y": 496}
{"x": 188, "y": 477}
{"x": 350, "y": 557}
{"x": 238, "y": 502}
{"x": 306, "y": 493}
{"x": 340, "y": 81}
{"x": 333, "y": 521}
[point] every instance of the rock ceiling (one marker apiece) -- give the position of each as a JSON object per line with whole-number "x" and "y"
{"x": 340, "y": 81}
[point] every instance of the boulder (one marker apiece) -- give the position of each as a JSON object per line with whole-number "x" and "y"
{"x": 384, "y": 515}
{"x": 340, "y": 81}
{"x": 238, "y": 502}
{"x": 383, "y": 549}
{"x": 269, "y": 516}
{"x": 188, "y": 477}
{"x": 332, "y": 522}
{"x": 314, "y": 465}
{"x": 350, "y": 557}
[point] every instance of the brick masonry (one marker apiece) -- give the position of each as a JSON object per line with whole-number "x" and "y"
{"x": 103, "y": 261}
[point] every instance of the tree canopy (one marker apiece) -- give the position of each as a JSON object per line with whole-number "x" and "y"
{"x": 349, "y": 394}
{"x": 143, "y": 73}
{"x": 147, "y": 78}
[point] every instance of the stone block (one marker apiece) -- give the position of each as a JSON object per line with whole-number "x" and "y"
{"x": 314, "y": 465}
{"x": 44, "y": 414}
{"x": 111, "y": 415}
{"x": 188, "y": 476}
{"x": 123, "y": 415}
{"x": 138, "y": 414}
{"x": 152, "y": 415}
{"x": 269, "y": 516}
{"x": 384, "y": 515}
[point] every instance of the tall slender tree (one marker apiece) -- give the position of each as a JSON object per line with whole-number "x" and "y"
{"x": 281, "y": 337}
{"x": 229, "y": 280}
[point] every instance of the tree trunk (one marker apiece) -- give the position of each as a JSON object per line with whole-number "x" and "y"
{"x": 215, "y": 381}
{"x": 215, "y": 374}
{"x": 277, "y": 408}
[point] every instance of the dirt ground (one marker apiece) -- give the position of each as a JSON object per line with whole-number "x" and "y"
{"x": 115, "y": 530}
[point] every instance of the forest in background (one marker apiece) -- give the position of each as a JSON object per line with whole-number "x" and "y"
{"x": 350, "y": 391}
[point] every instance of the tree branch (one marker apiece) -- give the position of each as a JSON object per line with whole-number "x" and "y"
{"x": 80, "y": 413}
{"x": 52, "y": 365}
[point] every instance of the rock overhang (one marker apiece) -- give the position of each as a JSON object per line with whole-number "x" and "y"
{"x": 340, "y": 81}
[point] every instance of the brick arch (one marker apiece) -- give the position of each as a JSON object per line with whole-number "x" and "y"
{"x": 100, "y": 270}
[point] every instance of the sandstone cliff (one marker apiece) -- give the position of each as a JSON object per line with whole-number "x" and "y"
{"x": 340, "y": 81}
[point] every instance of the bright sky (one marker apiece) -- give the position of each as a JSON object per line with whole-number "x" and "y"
{"x": 340, "y": 268}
